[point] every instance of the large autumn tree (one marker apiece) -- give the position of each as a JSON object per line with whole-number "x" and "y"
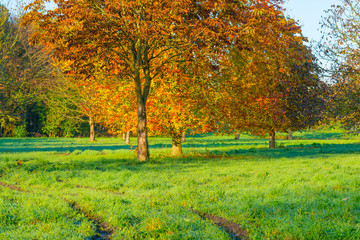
{"x": 142, "y": 38}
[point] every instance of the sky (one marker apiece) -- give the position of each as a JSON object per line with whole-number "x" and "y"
{"x": 308, "y": 13}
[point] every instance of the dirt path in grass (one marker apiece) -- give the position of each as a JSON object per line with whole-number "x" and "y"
{"x": 233, "y": 229}
{"x": 103, "y": 230}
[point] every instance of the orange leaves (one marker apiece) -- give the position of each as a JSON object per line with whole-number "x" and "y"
{"x": 174, "y": 54}
{"x": 257, "y": 79}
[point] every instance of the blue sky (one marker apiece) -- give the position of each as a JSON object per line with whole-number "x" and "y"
{"x": 308, "y": 13}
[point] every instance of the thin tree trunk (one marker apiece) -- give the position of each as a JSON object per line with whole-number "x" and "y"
{"x": 183, "y": 138}
{"x": 290, "y": 136}
{"x": 272, "y": 139}
{"x": 142, "y": 147}
{"x": 92, "y": 129}
{"x": 128, "y": 135}
{"x": 176, "y": 149}
{"x": 237, "y": 136}
{"x": 124, "y": 136}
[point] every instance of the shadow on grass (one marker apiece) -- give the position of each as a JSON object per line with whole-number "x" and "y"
{"x": 23, "y": 149}
{"x": 321, "y": 135}
{"x": 255, "y": 148}
{"x": 297, "y": 150}
{"x": 23, "y": 145}
{"x": 161, "y": 161}
{"x": 101, "y": 165}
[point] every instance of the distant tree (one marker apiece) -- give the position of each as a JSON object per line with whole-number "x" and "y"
{"x": 341, "y": 47}
{"x": 21, "y": 67}
{"x": 8, "y": 119}
{"x": 67, "y": 106}
{"x": 343, "y": 102}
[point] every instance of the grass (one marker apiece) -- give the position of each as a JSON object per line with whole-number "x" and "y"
{"x": 306, "y": 188}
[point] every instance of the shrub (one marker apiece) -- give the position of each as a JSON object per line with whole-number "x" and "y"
{"x": 20, "y": 131}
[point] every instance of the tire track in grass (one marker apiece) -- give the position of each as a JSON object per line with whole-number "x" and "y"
{"x": 13, "y": 187}
{"x": 91, "y": 188}
{"x": 99, "y": 189}
{"x": 103, "y": 230}
{"x": 233, "y": 229}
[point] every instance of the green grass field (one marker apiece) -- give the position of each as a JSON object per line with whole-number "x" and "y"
{"x": 56, "y": 188}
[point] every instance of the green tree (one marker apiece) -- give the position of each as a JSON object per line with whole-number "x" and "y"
{"x": 23, "y": 69}
{"x": 341, "y": 48}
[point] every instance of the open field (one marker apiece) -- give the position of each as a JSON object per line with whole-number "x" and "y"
{"x": 57, "y": 188}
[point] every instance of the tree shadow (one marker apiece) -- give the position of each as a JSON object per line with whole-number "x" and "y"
{"x": 320, "y": 135}
{"x": 239, "y": 148}
{"x": 98, "y": 164}
{"x": 297, "y": 150}
{"x": 23, "y": 149}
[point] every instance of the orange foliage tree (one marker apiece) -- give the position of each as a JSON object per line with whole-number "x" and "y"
{"x": 271, "y": 85}
{"x": 180, "y": 105}
{"x": 141, "y": 39}
{"x": 177, "y": 106}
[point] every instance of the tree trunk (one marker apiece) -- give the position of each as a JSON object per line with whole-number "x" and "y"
{"x": 124, "y": 136}
{"x": 272, "y": 139}
{"x": 176, "y": 149}
{"x": 183, "y": 138}
{"x": 92, "y": 129}
{"x": 237, "y": 136}
{"x": 142, "y": 147}
{"x": 141, "y": 52}
{"x": 128, "y": 135}
{"x": 290, "y": 136}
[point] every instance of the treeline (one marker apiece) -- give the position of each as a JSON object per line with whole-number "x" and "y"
{"x": 30, "y": 101}
{"x": 162, "y": 68}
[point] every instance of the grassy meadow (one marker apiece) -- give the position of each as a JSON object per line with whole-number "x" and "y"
{"x": 58, "y": 188}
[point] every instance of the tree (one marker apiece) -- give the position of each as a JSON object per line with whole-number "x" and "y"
{"x": 179, "y": 105}
{"x": 175, "y": 107}
{"x": 141, "y": 39}
{"x": 343, "y": 102}
{"x": 69, "y": 106}
{"x": 341, "y": 47}
{"x": 21, "y": 68}
{"x": 7, "y": 43}
{"x": 274, "y": 85}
